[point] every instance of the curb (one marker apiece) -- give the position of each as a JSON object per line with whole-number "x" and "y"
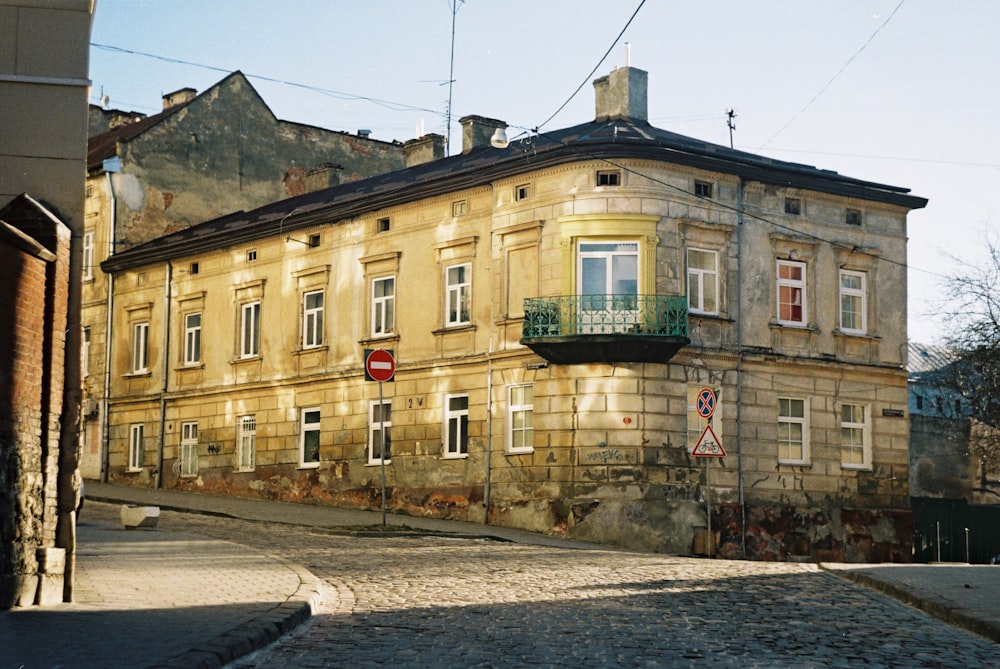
{"x": 958, "y": 617}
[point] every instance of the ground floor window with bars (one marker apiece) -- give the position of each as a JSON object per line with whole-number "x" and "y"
{"x": 246, "y": 443}
{"x": 189, "y": 449}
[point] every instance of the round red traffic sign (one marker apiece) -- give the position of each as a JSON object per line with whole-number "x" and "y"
{"x": 380, "y": 365}
{"x": 706, "y": 402}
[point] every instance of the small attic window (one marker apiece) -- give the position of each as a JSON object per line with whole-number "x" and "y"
{"x": 459, "y": 208}
{"x": 522, "y": 192}
{"x": 382, "y": 225}
{"x": 314, "y": 240}
{"x": 702, "y": 189}
{"x": 194, "y": 268}
{"x": 793, "y": 205}
{"x": 251, "y": 255}
{"x": 609, "y": 178}
{"x": 853, "y": 217}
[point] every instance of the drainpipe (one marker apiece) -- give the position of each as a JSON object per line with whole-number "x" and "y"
{"x": 739, "y": 366}
{"x": 109, "y": 167}
{"x": 487, "y": 486}
{"x": 166, "y": 374}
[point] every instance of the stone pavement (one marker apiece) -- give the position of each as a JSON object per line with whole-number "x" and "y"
{"x": 159, "y": 598}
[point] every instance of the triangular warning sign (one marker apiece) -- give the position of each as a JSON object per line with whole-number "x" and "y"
{"x": 709, "y": 445}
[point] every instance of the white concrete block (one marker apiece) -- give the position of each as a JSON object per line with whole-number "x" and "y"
{"x": 139, "y": 516}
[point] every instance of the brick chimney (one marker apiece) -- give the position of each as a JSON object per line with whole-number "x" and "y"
{"x": 179, "y": 97}
{"x": 621, "y": 93}
{"x": 424, "y": 149}
{"x": 477, "y": 130}
{"x": 323, "y": 176}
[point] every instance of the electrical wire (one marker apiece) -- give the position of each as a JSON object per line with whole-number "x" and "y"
{"x": 599, "y": 63}
{"x": 340, "y": 95}
{"x": 835, "y": 76}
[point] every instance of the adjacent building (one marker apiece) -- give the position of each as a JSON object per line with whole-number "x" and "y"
{"x": 203, "y": 156}
{"x": 610, "y": 332}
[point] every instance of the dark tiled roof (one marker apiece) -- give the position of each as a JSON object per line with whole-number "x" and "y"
{"x": 609, "y": 139}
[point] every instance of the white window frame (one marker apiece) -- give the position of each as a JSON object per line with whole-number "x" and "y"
{"x": 85, "y": 354}
{"x": 698, "y": 279}
{"x": 786, "y": 294}
{"x": 140, "y": 347}
{"x": 88, "y": 255}
{"x": 850, "y": 430}
{"x": 456, "y": 427}
{"x": 246, "y": 444}
{"x": 250, "y": 329}
{"x": 309, "y": 426}
{"x": 525, "y": 428}
{"x": 856, "y": 296}
{"x": 135, "y": 436}
{"x": 458, "y": 295}
{"x": 788, "y": 425}
{"x": 383, "y": 308}
{"x": 374, "y": 445}
{"x": 188, "y": 455}
{"x": 192, "y": 339}
{"x": 312, "y": 319}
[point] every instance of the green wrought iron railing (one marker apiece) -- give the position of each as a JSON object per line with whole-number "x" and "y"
{"x": 569, "y": 315}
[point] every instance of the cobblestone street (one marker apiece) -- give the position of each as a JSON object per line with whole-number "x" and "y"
{"x": 411, "y": 601}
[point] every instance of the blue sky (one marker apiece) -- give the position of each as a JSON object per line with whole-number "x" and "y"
{"x": 902, "y": 93}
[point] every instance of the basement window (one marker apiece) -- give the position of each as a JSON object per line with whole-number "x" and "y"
{"x": 853, "y": 217}
{"x": 609, "y": 178}
{"x": 382, "y": 225}
{"x": 702, "y": 189}
{"x": 793, "y": 205}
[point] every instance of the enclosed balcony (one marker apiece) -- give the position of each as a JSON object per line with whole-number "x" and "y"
{"x": 572, "y": 329}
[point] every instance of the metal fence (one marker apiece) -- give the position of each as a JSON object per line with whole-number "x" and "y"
{"x": 570, "y": 315}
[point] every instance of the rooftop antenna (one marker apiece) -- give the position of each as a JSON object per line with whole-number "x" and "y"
{"x": 451, "y": 75}
{"x": 730, "y": 115}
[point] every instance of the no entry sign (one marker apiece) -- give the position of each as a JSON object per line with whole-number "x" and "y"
{"x": 379, "y": 365}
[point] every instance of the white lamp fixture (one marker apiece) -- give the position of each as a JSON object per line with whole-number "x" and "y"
{"x": 499, "y": 139}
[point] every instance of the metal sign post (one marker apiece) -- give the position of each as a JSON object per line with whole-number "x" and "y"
{"x": 380, "y": 366}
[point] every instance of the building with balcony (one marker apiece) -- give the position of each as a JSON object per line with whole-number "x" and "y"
{"x": 576, "y": 317}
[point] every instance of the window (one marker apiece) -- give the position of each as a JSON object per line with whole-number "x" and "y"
{"x": 140, "y": 347}
{"x": 85, "y": 354}
{"x": 379, "y": 424}
{"x": 250, "y": 330}
{"x": 246, "y": 443}
{"x": 382, "y": 225}
{"x": 189, "y": 449}
{"x": 314, "y": 240}
{"x": 702, "y": 189}
{"x": 703, "y": 281}
{"x": 920, "y": 402}
{"x": 853, "y": 217}
{"x": 88, "y": 255}
{"x": 522, "y": 192}
{"x": 793, "y": 205}
{"x": 309, "y": 438}
{"x": 855, "y": 446}
{"x": 852, "y": 302}
{"x": 456, "y": 426}
{"x": 459, "y": 287}
{"x": 608, "y": 283}
{"x": 135, "y": 448}
{"x": 521, "y": 419}
{"x": 312, "y": 319}
{"x": 251, "y": 255}
{"x": 192, "y": 339}
{"x": 383, "y": 306}
{"x": 459, "y": 208}
{"x": 793, "y": 432}
{"x": 791, "y": 292}
{"x": 195, "y": 268}
{"x": 609, "y": 178}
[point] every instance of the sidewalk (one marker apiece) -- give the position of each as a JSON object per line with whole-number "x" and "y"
{"x": 154, "y": 598}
